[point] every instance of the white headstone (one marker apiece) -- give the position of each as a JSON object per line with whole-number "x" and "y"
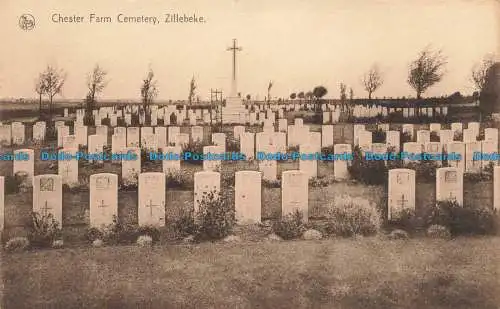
{"x": 131, "y": 168}
{"x": 151, "y": 208}
{"x": 247, "y": 145}
{"x": 307, "y": 163}
{"x": 295, "y": 193}
{"x": 204, "y": 183}
{"x": 458, "y": 149}
{"x": 327, "y": 136}
{"x": 212, "y": 152}
{"x": 24, "y": 162}
{"x": 133, "y": 137}
{"x": 172, "y": 164}
{"x": 47, "y": 196}
{"x": 68, "y": 169}
{"x": 103, "y": 199}
{"x": 471, "y": 164}
{"x": 401, "y": 195}
{"x": 342, "y": 153}
{"x": 248, "y": 197}
{"x": 449, "y": 184}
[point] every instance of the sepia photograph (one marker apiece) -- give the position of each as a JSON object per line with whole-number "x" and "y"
{"x": 281, "y": 154}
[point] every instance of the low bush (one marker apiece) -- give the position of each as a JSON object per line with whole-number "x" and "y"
{"x": 349, "y": 216}
{"x": 379, "y": 136}
{"x": 149, "y": 230}
{"x": 370, "y": 172}
{"x": 17, "y": 244}
{"x": 195, "y": 148}
{"x": 405, "y": 220}
{"x": 463, "y": 220}
{"x": 271, "y": 183}
{"x": 185, "y": 224}
{"x": 44, "y": 230}
{"x": 215, "y": 217}
{"x": 179, "y": 179}
{"x": 405, "y": 137}
{"x": 113, "y": 234}
{"x": 289, "y": 226}
{"x": 12, "y": 184}
{"x": 232, "y": 145}
{"x": 434, "y": 137}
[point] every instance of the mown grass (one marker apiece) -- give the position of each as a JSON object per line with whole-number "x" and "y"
{"x": 363, "y": 273}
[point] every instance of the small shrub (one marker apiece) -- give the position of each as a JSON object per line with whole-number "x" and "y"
{"x": 328, "y": 150}
{"x": 93, "y": 234}
{"x": 178, "y": 179}
{"x": 150, "y": 231}
{"x": 379, "y": 136}
{"x": 215, "y": 217}
{"x": 232, "y": 145}
{"x": 12, "y": 184}
{"x": 434, "y": 137}
{"x": 463, "y": 220}
{"x": 114, "y": 233}
{"x": 44, "y": 230}
{"x": 271, "y": 183}
{"x": 349, "y": 216}
{"x": 458, "y": 136}
{"x": 17, "y": 244}
{"x": 405, "y": 137}
{"x": 195, "y": 148}
{"x": 290, "y": 226}
{"x": 318, "y": 182}
{"x": 370, "y": 172}
{"x": 185, "y": 225}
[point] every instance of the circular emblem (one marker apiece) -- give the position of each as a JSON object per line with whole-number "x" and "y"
{"x": 27, "y": 22}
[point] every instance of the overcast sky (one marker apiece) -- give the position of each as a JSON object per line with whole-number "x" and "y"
{"x": 296, "y": 43}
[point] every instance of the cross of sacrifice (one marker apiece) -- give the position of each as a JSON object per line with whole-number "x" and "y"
{"x": 234, "y": 49}
{"x": 46, "y": 208}
{"x": 150, "y": 206}
{"x": 102, "y": 206}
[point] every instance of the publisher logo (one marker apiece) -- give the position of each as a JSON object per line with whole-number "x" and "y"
{"x": 27, "y": 22}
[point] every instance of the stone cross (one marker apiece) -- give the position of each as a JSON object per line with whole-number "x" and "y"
{"x": 150, "y": 206}
{"x": 46, "y": 209}
{"x": 234, "y": 49}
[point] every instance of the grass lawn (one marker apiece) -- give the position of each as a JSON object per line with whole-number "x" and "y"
{"x": 365, "y": 273}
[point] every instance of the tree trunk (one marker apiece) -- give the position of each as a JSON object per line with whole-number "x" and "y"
{"x": 369, "y": 95}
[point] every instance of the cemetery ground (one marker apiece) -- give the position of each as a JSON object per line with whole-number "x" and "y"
{"x": 247, "y": 268}
{"x": 333, "y": 273}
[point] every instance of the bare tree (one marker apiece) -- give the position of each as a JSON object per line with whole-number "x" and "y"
{"x": 192, "y": 89}
{"x": 479, "y": 72}
{"x": 351, "y": 94}
{"x": 426, "y": 70}
{"x": 372, "y": 80}
{"x": 96, "y": 82}
{"x": 54, "y": 80}
{"x": 269, "y": 87}
{"x": 149, "y": 90}
{"x": 40, "y": 89}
